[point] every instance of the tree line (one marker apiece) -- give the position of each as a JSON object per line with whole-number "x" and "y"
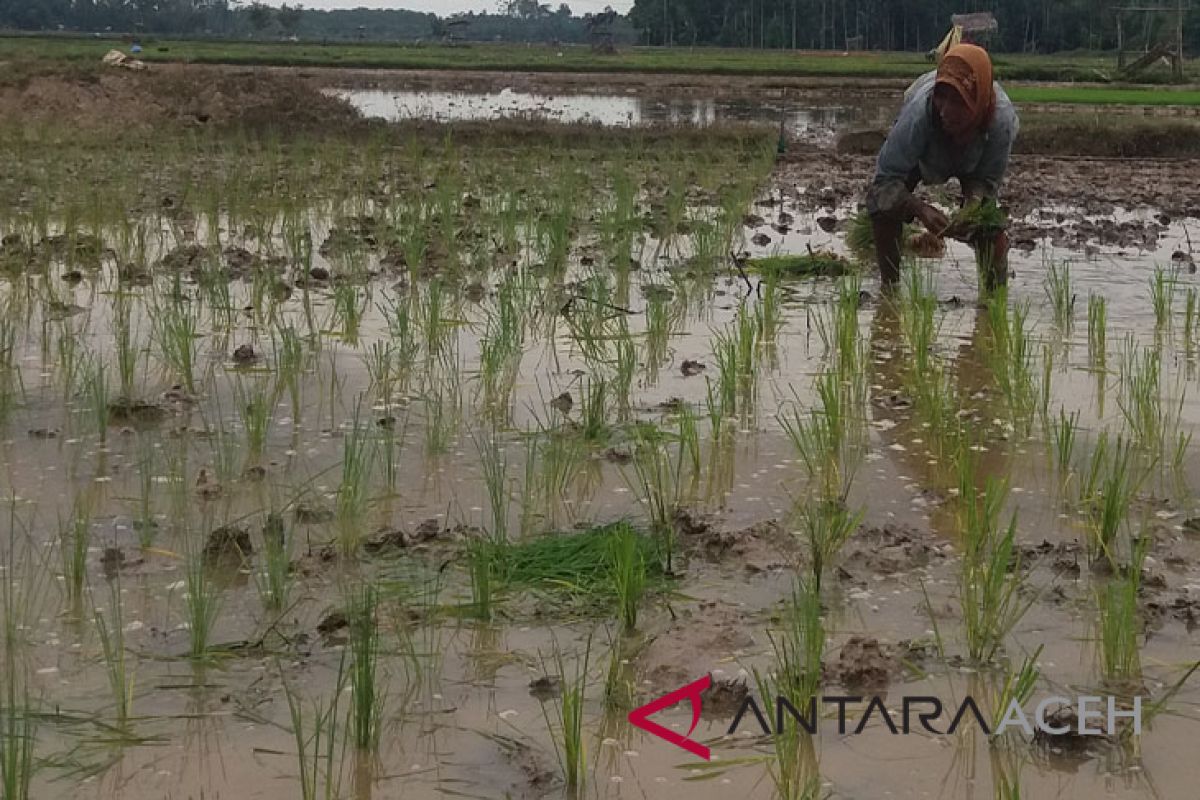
{"x": 520, "y": 20}
{"x": 1024, "y": 25}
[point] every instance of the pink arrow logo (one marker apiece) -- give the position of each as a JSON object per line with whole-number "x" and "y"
{"x": 639, "y": 717}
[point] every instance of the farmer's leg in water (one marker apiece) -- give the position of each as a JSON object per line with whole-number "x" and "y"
{"x": 992, "y": 258}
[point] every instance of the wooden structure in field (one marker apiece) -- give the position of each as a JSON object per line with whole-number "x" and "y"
{"x": 1160, "y": 38}
{"x": 977, "y": 26}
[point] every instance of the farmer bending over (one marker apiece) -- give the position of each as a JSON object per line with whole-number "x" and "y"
{"x": 955, "y": 123}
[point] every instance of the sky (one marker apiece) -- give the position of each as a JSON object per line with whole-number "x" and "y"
{"x": 445, "y": 7}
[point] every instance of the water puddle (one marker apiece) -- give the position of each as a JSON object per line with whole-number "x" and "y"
{"x": 804, "y": 121}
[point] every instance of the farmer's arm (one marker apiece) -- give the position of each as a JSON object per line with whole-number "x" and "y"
{"x": 985, "y": 180}
{"x": 888, "y": 194}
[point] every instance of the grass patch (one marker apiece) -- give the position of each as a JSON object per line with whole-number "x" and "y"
{"x": 587, "y": 567}
{"x": 557, "y": 58}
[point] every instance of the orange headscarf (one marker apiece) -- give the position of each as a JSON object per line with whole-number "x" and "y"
{"x": 968, "y": 69}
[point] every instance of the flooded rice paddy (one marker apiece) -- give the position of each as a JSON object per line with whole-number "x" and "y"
{"x": 812, "y": 120}
{"x": 409, "y": 468}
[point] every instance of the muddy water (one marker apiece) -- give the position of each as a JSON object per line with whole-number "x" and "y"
{"x": 804, "y": 120}
{"x": 463, "y": 722}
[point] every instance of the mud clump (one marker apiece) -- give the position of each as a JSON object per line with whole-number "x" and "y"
{"x": 126, "y": 410}
{"x": 864, "y": 663}
{"x": 228, "y": 543}
{"x": 723, "y": 697}
{"x": 398, "y": 539}
{"x": 698, "y": 640}
{"x": 547, "y": 687}
{"x": 758, "y": 548}
{"x": 310, "y": 512}
{"x": 890, "y": 550}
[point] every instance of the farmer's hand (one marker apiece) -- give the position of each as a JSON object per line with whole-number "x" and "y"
{"x": 932, "y": 218}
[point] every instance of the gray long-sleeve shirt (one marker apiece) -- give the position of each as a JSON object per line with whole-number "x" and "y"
{"x": 916, "y": 145}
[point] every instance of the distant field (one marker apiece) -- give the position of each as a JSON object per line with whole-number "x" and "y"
{"x": 1070, "y": 67}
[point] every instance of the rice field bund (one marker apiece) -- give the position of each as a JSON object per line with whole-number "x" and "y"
{"x": 407, "y": 459}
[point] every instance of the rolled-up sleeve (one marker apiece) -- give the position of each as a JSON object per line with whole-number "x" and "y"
{"x": 901, "y": 154}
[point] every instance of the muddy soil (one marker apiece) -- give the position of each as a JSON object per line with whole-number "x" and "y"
{"x": 123, "y": 101}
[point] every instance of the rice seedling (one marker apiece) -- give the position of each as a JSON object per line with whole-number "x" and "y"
{"x": 1191, "y": 310}
{"x": 354, "y": 492}
{"x": 1060, "y": 294}
{"x": 1010, "y": 356}
{"x": 1112, "y": 481}
{"x": 202, "y": 605}
{"x": 483, "y": 565}
{"x": 799, "y": 646}
{"x": 1097, "y": 330}
{"x": 274, "y": 579}
{"x": 124, "y": 344}
{"x": 18, "y": 721}
{"x": 566, "y": 725}
{"x": 628, "y": 574}
{"x": 493, "y": 462}
{"x": 828, "y": 444}
{"x": 110, "y": 630}
{"x": 176, "y": 330}
{"x": 74, "y": 539}
{"x": 1141, "y": 401}
{"x": 593, "y": 424}
{"x": 256, "y": 408}
{"x": 316, "y": 752}
{"x": 1018, "y": 686}
{"x": 656, "y": 484}
{"x": 793, "y": 768}
{"x": 1162, "y": 295}
{"x": 368, "y": 697}
{"x": 1119, "y": 621}
{"x": 1064, "y": 434}
{"x": 97, "y": 390}
{"x": 825, "y": 525}
{"x": 990, "y": 580}
{"x": 288, "y": 364}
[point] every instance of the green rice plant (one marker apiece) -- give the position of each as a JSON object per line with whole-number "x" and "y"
{"x": 593, "y": 424}
{"x": 1162, "y": 295}
{"x": 1064, "y": 433}
{"x": 256, "y": 408}
{"x": 624, "y": 369}
{"x": 1141, "y": 401}
{"x": 316, "y": 752}
{"x": 990, "y": 580}
{"x": 18, "y": 720}
{"x": 566, "y": 726}
{"x": 628, "y": 574}
{"x": 734, "y": 353}
{"x": 125, "y": 344}
{"x": 1097, "y": 330}
{"x": 1190, "y": 313}
{"x": 1112, "y": 480}
{"x": 618, "y": 682}
{"x": 110, "y": 630}
{"x": 202, "y": 606}
{"x": 799, "y": 646}
{"x": 656, "y": 484}
{"x": 1119, "y": 620}
{"x": 74, "y": 539}
{"x": 359, "y": 450}
{"x": 828, "y": 442}
{"x": 1010, "y": 356}
{"x": 97, "y": 390}
{"x": 793, "y": 766}
{"x": 176, "y": 329}
{"x": 1018, "y": 685}
{"x": 483, "y": 564}
{"x": 275, "y": 579}
{"x": 493, "y": 462}
{"x": 1059, "y": 293}
{"x": 825, "y": 525}
{"x": 144, "y": 521}
{"x": 288, "y": 364}
{"x": 368, "y": 697}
